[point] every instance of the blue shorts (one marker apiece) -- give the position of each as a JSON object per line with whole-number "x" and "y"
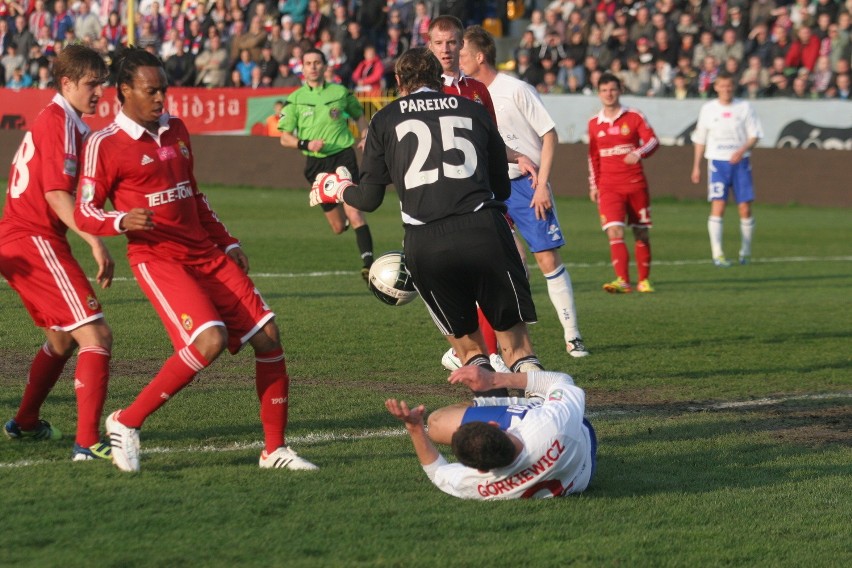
{"x": 540, "y": 235}
{"x": 503, "y": 416}
{"x": 723, "y": 175}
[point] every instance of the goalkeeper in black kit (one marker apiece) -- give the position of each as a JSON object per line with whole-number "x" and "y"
{"x": 445, "y": 157}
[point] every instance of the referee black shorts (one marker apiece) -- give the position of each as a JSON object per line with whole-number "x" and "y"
{"x": 314, "y": 166}
{"x": 461, "y": 261}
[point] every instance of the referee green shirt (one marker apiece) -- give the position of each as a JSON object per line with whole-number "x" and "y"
{"x": 321, "y": 113}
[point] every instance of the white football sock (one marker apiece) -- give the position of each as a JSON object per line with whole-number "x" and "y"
{"x": 746, "y": 230}
{"x": 561, "y": 294}
{"x": 714, "y": 227}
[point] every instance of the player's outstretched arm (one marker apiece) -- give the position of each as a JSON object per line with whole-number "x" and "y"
{"x": 413, "y": 420}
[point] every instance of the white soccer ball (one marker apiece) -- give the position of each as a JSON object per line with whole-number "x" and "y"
{"x": 389, "y": 280}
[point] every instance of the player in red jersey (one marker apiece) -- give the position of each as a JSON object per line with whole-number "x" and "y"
{"x": 619, "y": 137}
{"x": 445, "y": 42}
{"x": 192, "y": 270}
{"x": 36, "y": 259}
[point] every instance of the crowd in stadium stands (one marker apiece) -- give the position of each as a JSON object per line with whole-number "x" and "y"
{"x": 661, "y": 48}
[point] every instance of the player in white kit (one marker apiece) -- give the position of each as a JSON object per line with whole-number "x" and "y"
{"x": 535, "y": 450}
{"x": 726, "y": 131}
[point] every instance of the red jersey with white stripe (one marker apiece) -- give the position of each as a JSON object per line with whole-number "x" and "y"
{"x": 470, "y": 89}
{"x": 610, "y": 141}
{"x": 131, "y": 167}
{"x": 47, "y": 160}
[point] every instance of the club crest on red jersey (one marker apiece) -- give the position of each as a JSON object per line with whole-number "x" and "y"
{"x": 87, "y": 189}
{"x": 625, "y": 130}
{"x": 70, "y": 165}
{"x": 92, "y": 302}
{"x": 186, "y": 321}
{"x": 184, "y": 150}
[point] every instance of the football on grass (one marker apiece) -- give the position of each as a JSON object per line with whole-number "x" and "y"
{"x": 390, "y": 281}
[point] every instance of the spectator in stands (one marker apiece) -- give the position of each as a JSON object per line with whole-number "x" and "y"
{"x": 268, "y": 66}
{"x": 354, "y": 44}
{"x": 280, "y": 46}
{"x": 574, "y": 25}
{"x": 244, "y": 67}
{"x": 801, "y": 87}
{"x": 296, "y": 9}
{"x": 315, "y": 21}
{"x": 661, "y": 23}
{"x": 155, "y": 18}
{"x": 707, "y": 76}
{"x": 12, "y": 60}
{"x": 681, "y": 87}
{"x": 86, "y": 24}
{"x": 618, "y": 45}
{"x": 527, "y": 70}
{"x": 707, "y": 46}
{"x": 736, "y": 22}
{"x": 821, "y": 76}
{"x": 555, "y": 23}
{"x": 549, "y": 84}
{"x": 395, "y": 45}
{"x": 804, "y": 50}
{"x": 840, "y": 90}
{"x": 662, "y": 79}
{"x": 596, "y": 47}
{"x": 644, "y": 52}
{"x": 212, "y": 64}
{"x": 779, "y": 86}
{"x": 637, "y": 77}
{"x": 180, "y": 67}
{"x": 731, "y": 46}
{"x": 837, "y": 43}
{"x": 44, "y": 79}
{"x": 686, "y": 25}
{"x": 114, "y": 31}
{"x": 339, "y": 63}
{"x": 62, "y": 20}
{"x": 802, "y": 13}
{"x": 22, "y": 36}
{"x": 662, "y": 48}
{"x": 761, "y": 12}
{"x": 39, "y": 18}
{"x": 368, "y": 74}
{"x": 285, "y": 78}
{"x": 754, "y": 78}
{"x": 373, "y": 17}
{"x": 759, "y": 44}
{"x": 641, "y": 26}
{"x": 420, "y": 25}
{"x": 601, "y": 28}
{"x": 169, "y": 45}
{"x": 569, "y": 67}
{"x": 537, "y": 25}
{"x": 339, "y": 22}
{"x": 146, "y": 36}
{"x": 18, "y": 79}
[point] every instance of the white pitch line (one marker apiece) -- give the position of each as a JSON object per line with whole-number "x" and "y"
{"x": 313, "y": 438}
{"x": 602, "y": 264}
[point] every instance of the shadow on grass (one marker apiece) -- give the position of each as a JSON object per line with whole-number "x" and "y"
{"x": 733, "y": 450}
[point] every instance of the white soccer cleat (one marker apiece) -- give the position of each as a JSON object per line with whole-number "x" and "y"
{"x": 285, "y": 458}
{"x": 576, "y": 348}
{"x": 498, "y": 364}
{"x": 124, "y": 442}
{"x": 450, "y": 361}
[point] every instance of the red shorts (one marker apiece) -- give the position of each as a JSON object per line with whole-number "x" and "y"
{"x": 617, "y": 204}
{"x": 192, "y": 298}
{"x": 49, "y": 281}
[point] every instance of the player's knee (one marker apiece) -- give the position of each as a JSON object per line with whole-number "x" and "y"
{"x": 211, "y": 342}
{"x": 267, "y": 339}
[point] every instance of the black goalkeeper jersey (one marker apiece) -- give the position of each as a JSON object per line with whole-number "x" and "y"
{"x": 442, "y": 152}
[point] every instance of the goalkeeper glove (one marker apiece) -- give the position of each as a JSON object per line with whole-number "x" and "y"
{"x": 328, "y": 187}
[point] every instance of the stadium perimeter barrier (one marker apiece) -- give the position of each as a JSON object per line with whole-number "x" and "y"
{"x": 783, "y": 175}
